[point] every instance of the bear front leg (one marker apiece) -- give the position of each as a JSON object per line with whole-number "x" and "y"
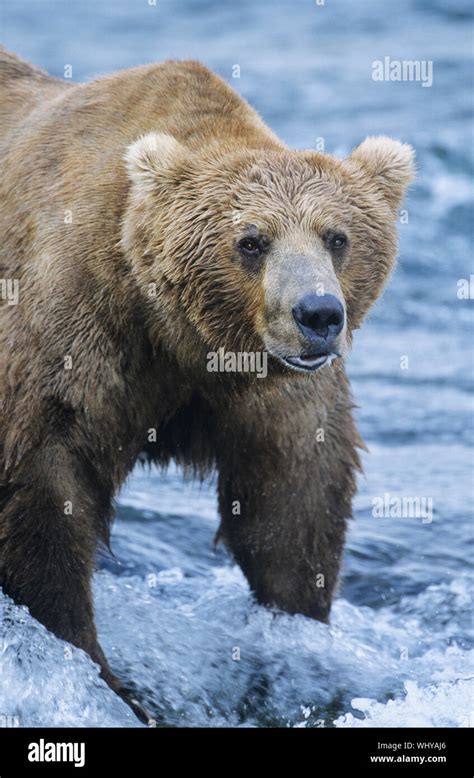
{"x": 51, "y": 513}
{"x": 285, "y": 488}
{"x": 46, "y": 559}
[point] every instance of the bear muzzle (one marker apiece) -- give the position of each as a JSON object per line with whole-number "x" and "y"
{"x": 305, "y": 317}
{"x": 320, "y": 319}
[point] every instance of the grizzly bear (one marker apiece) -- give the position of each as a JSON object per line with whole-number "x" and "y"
{"x": 150, "y": 220}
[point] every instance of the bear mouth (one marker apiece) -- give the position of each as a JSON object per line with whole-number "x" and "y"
{"x": 309, "y": 363}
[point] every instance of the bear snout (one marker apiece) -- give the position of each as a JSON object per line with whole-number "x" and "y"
{"x": 320, "y": 318}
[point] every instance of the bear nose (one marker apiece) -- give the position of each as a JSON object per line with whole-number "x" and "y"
{"x": 320, "y": 315}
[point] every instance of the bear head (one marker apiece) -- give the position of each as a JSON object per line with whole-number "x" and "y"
{"x": 262, "y": 249}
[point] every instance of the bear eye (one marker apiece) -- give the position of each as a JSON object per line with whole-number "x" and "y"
{"x": 250, "y": 247}
{"x": 336, "y": 241}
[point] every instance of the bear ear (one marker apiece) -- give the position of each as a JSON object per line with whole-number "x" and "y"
{"x": 152, "y": 155}
{"x": 390, "y": 164}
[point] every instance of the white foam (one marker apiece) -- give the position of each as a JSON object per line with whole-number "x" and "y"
{"x": 445, "y": 705}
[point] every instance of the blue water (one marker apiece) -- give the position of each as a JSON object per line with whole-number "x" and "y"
{"x": 170, "y": 611}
